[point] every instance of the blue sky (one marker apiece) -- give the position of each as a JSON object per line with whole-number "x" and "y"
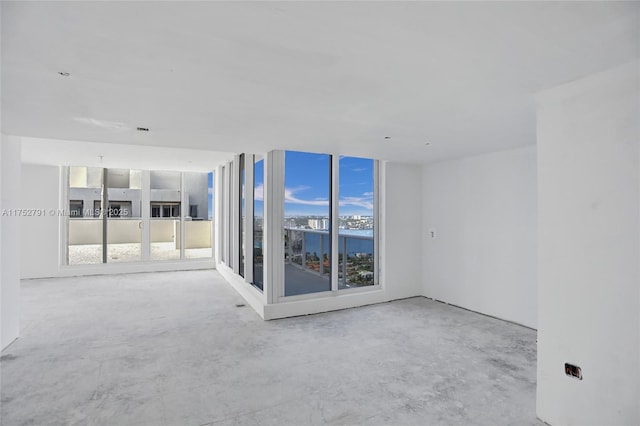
{"x": 258, "y": 205}
{"x": 307, "y": 185}
{"x": 307, "y": 180}
{"x": 356, "y": 186}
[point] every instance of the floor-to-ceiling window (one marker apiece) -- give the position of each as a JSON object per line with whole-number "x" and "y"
{"x": 176, "y": 213}
{"x": 165, "y": 223}
{"x": 123, "y": 215}
{"x": 324, "y": 209}
{"x": 307, "y": 215}
{"x": 258, "y": 221}
{"x": 356, "y": 221}
{"x": 109, "y": 234}
{"x": 242, "y": 215}
{"x": 198, "y": 231}
{"x": 224, "y": 192}
{"x": 84, "y": 224}
{"x": 230, "y": 212}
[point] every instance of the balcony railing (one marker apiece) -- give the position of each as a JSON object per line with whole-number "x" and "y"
{"x": 309, "y": 250}
{"x": 124, "y": 239}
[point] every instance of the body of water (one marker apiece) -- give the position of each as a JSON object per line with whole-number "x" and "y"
{"x": 354, "y": 245}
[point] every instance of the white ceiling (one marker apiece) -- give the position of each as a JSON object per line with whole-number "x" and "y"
{"x": 128, "y": 156}
{"x": 318, "y": 76}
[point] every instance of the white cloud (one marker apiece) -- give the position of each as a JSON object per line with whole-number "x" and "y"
{"x": 259, "y": 193}
{"x": 366, "y": 203}
{"x": 289, "y": 197}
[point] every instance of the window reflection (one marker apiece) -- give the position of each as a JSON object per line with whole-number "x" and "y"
{"x": 258, "y": 221}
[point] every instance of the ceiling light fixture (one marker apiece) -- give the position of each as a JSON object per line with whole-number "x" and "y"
{"x": 142, "y": 129}
{"x": 64, "y": 74}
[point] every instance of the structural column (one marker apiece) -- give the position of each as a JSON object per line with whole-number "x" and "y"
{"x": 10, "y": 178}
{"x": 589, "y": 250}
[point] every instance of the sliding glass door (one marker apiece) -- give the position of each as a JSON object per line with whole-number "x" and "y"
{"x": 107, "y": 218}
{"x": 258, "y": 221}
{"x": 198, "y": 230}
{"x": 307, "y": 215}
{"x": 356, "y": 256}
{"x": 165, "y": 210}
{"x": 123, "y": 215}
{"x": 84, "y": 224}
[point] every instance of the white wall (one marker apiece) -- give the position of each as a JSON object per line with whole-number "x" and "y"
{"x": 401, "y": 245}
{"x": 10, "y": 160}
{"x": 483, "y": 212}
{"x": 197, "y": 234}
{"x": 165, "y": 180}
{"x": 89, "y": 231}
{"x": 40, "y": 234}
{"x": 589, "y": 257}
{"x": 196, "y": 185}
{"x": 1, "y": 244}
{"x": 163, "y": 230}
{"x": 120, "y": 231}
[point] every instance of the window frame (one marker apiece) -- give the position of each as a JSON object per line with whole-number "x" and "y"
{"x": 72, "y": 208}
{"x": 144, "y": 218}
{"x": 256, "y": 159}
{"x": 162, "y": 205}
{"x": 230, "y": 241}
{"x": 334, "y": 240}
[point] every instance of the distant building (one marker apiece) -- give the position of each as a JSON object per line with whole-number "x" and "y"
{"x": 321, "y": 224}
{"x": 125, "y": 195}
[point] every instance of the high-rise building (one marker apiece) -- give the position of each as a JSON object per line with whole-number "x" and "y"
{"x": 321, "y": 224}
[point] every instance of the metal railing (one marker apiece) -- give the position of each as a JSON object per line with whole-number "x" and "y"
{"x": 310, "y": 249}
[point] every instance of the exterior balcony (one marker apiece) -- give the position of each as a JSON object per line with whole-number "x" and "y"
{"x": 307, "y": 260}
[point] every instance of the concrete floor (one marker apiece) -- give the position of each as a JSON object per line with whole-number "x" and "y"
{"x": 173, "y": 349}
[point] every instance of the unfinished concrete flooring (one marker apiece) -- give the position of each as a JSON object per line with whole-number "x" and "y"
{"x": 173, "y": 349}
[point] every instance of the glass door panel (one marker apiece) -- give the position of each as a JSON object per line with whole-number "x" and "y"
{"x": 356, "y": 257}
{"x": 164, "y": 223}
{"x": 84, "y": 238}
{"x": 307, "y": 214}
{"x": 258, "y": 221}
{"x": 124, "y": 215}
{"x": 198, "y": 223}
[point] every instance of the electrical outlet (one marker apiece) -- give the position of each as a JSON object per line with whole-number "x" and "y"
{"x": 573, "y": 371}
